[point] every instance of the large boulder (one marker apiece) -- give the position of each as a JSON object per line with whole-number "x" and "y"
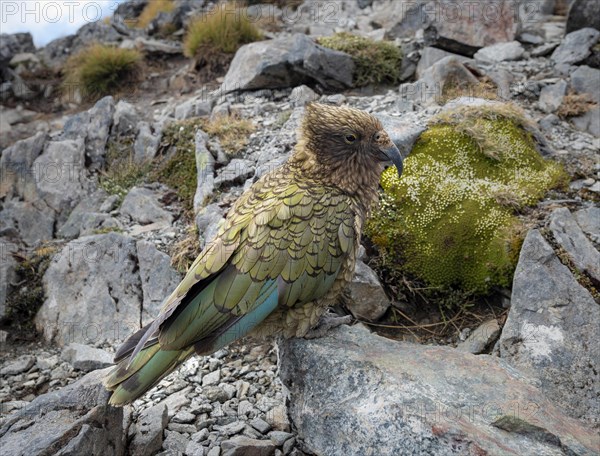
{"x": 576, "y": 46}
{"x": 93, "y": 126}
{"x": 582, "y": 14}
{"x": 102, "y": 287}
{"x": 446, "y": 73}
{"x": 551, "y": 332}
{"x": 73, "y": 420}
{"x": 288, "y": 62}
{"x": 356, "y": 393}
{"x": 460, "y": 26}
{"x": 93, "y": 291}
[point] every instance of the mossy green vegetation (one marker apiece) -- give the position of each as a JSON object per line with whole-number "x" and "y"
{"x": 222, "y": 29}
{"x": 100, "y": 70}
{"x": 175, "y": 165}
{"x": 376, "y": 62}
{"x": 178, "y": 170}
{"x": 450, "y": 221}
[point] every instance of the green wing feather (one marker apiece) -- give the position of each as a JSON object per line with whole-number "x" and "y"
{"x": 281, "y": 240}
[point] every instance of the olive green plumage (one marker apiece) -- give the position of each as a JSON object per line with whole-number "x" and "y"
{"x": 287, "y": 248}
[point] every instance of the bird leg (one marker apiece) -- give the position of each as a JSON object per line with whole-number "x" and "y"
{"x": 327, "y": 321}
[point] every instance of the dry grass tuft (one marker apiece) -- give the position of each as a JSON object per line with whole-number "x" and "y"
{"x": 101, "y": 70}
{"x": 153, "y": 8}
{"x": 231, "y": 131}
{"x": 225, "y": 28}
{"x": 186, "y": 250}
{"x": 574, "y": 105}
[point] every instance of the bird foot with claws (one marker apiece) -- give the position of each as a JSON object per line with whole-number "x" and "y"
{"x": 326, "y": 323}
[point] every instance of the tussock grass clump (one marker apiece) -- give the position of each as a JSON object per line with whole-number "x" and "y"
{"x": 223, "y": 29}
{"x": 101, "y": 70}
{"x": 152, "y": 9}
{"x": 375, "y": 62}
{"x": 451, "y": 220}
{"x": 231, "y": 131}
{"x": 574, "y": 105}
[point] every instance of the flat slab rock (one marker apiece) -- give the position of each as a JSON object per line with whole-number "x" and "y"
{"x": 356, "y": 393}
{"x": 74, "y": 420}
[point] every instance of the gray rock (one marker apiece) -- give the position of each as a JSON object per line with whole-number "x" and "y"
{"x": 280, "y": 437}
{"x": 148, "y": 438}
{"x": 543, "y": 50}
{"x": 288, "y": 62}
{"x": 125, "y": 119}
{"x": 403, "y": 133}
{"x": 184, "y": 417}
{"x": 235, "y": 173}
{"x": 551, "y": 331}
{"x": 205, "y": 167}
{"x": 208, "y": 221}
{"x": 17, "y": 115}
{"x": 146, "y": 143}
{"x": 583, "y": 14}
{"x": 352, "y": 391}
{"x": 589, "y": 221}
{"x": 158, "y": 278}
{"x": 61, "y": 179}
{"x": 589, "y": 122}
{"x": 367, "y": 300}
{"x": 86, "y": 217}
{"x": 244, "y": 446}
{"x": 70, "y": 421}
{"x": 431, "y": 85}
{"x": 576, "y": 46}
{"x": 453, "y": 27}
{"x": 94, "y": 127}
{"x": 481, "y": 338}
{"x": 551, "y": 96}
{"x": 585, "y": 80}
{"x": 212, "y": 378}
{"x": 129, "y": 10}
{"x": 260, "y": 425}
{"x": 86, "y": 358}
{"x": 93, "y": 291}
{"x": 16, "y": 167}
{"x": 176, "y": 401}
{"x": 22, "y": 364}
{"x": 142, "y": 206}
{"x": 194, "y": 107}
{"x": 32, "y": 223}
{"x": 500, "y": 52}
{"x": 302, "y": 95}
{"x": 431, "y": 55}
{"x": 174, "y": 442}
{"x": 570, "y": 237}
{"x": 8, "y": 275}
{"x": 159, "y": 47}
{"x": 13, "y": 44}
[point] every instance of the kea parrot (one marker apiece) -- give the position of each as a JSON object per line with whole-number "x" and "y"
{"x": 285, "y": 251}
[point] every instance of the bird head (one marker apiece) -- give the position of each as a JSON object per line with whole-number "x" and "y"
{"x": 342, "y": 138}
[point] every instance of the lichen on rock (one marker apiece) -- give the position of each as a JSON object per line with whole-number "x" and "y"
{"x": 451, "y": 221}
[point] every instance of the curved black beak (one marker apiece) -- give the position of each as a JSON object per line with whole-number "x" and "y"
{"x": 393, "y": 154}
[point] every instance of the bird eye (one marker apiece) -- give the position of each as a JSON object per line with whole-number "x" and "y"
{"x": 350, "y": 138}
